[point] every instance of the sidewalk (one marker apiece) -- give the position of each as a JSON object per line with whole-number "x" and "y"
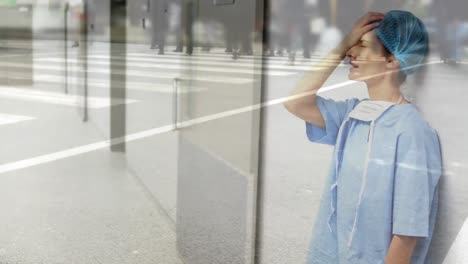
{"x": 85, "y": 209}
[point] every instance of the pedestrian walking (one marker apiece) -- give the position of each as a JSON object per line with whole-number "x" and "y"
{"x": 159, "y": 23}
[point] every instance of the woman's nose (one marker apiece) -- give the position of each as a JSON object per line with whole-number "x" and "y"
{"x": 351, "y": 52}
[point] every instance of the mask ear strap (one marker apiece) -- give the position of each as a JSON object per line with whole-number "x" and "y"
{"x": 363, "y": 184}
{"x": 334, "y": 187}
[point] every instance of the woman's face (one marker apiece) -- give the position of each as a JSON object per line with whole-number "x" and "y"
{"x": 367, "y": 58}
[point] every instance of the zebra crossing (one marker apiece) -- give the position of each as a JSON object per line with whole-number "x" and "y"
{"x": 212, "y": 67}
{"x": 57, "y": 98}
{"x": 6, "y": 119}
{"x": 145, "y": 72}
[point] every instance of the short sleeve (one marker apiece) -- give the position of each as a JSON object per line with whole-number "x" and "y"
{"x": 417, "y": 171}
{"x": 334, "y": 113}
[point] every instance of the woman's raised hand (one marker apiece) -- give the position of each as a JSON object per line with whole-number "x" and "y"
{"x": 365, "y": 24}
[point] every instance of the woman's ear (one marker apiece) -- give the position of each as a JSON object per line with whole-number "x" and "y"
{"x": 392, "y": 63}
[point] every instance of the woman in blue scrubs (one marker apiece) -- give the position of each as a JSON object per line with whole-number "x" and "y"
{"x": 380, "y": 199}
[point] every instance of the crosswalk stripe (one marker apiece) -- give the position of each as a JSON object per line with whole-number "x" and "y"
{"x": 6, "y": 119}
{"x": 97, "y": 83}
{"x": 248, "y": 61}
{"x": 219, "y": 54}
{"x": 154, "y": 75}
{"x": 181, "y": 66}
{"x": 58, "y": 98}
{"x": 300, "y": 62}
{"x": 270, "y": 69}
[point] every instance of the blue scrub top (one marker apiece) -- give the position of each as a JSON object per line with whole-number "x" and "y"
{"x": 399, "y": 194}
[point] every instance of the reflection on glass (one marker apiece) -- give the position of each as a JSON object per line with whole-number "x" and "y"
{"x": 189, "y": 89}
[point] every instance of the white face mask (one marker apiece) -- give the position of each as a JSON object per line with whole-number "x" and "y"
{"x": 371, "y": 110}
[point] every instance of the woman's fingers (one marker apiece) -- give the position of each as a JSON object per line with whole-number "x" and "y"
{"x": 376, "y": 13}
{"x": 368, "y": 27}
{"x": 369, "y": 17}
{"x": 368, "y": 22}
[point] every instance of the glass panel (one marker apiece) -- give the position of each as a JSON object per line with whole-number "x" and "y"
{"x": 67, "y": 196}
{"x": 296, "y": 171}
{"x": 150, "y": 76}
{"x": 219, "y": 132}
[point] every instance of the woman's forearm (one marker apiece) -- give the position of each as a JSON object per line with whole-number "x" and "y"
{"x": 400, "y": 250}
{"x": 313, "y": 80}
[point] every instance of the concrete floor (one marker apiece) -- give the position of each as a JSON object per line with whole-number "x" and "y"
{"x": 85, "y": 209}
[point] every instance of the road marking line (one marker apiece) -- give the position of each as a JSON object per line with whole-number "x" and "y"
{"x": 6, "y": 119}
{"x": 30, "y": 54}
{"x": 299, "y": 64}
{"x": 58, "y": 98}
{"x": 105, "y": 84}
{"x": 233, "y": 66}
{"x": 181, "y": 66}
{"x": 225, "y": 55}
{"x": 158, "y": 75}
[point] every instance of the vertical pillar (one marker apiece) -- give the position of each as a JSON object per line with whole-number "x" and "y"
{"x": 334, "y": 11}
{"x": 16, "y": 35}
{"x": 84, "y": 23}
{"x": 65, "y": 41}
{"x": 118, "y": 36}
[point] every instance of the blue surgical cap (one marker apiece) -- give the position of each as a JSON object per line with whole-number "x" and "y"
{"x": 405, "y": 36}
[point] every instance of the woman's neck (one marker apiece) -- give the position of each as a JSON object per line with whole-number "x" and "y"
{"x": 385, "y": 92}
